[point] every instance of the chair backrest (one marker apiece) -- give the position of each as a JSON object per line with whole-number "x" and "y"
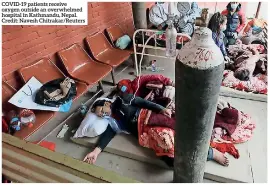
{"x": 43, "y": 70}
{"x": 74, "y": 58}
{"x": 98, "y": 43}
{"x": 114, "y": 33}
{"x": 7, "y": 93}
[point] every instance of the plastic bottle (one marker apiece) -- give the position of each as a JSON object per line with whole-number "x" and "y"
{"x": 153, "y": 66}
{"x": 171, "y": 35}
{"x": 27, "y": 118}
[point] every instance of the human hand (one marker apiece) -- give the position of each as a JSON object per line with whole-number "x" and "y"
{"x": 167, "y": 112}
{"x": 235, "y": 35}
{"x": 227, "y": 59}
{"x": 92, "y": 156}
{"x": 173, "y": 84}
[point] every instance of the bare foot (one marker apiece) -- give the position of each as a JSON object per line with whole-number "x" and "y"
{"x": 220, "y": 158}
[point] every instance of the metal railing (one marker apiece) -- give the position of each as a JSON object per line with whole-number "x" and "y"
{"x": 153, "y": 34}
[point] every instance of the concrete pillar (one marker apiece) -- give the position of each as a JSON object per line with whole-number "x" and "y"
{"x": 140, "y": 22}
{"x": 139, "y": 15}
{"x": 199, "y": 69}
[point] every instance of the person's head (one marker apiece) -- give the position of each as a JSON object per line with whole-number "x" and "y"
{"x": 242, "y": 75}
{"x": 234, "y": 6}
{"x": 124, "y": 86}
{"x": 217, "y": 23}
{"x": 102, "y": 108}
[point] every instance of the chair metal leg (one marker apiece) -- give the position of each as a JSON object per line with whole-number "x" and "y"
{"x": 100, "y": 86}
{"x": 113, "y": 77}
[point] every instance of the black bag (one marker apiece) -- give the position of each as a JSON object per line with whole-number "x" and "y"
{"x": 56, "y": 92}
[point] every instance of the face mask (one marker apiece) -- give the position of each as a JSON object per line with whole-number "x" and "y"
{"x": 105, "y": 114}
{"x": 223, "y": 28}
{"x": 234, "y": 6}
{"x": 123, "y": 88}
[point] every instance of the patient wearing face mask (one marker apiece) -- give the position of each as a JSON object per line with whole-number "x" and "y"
{"x": 124, "y": 117}
{"x": 217, "y": 25}
{"x": 244, "y": 69}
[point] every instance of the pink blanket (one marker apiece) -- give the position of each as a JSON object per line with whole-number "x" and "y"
{"x": 257, "y": 84}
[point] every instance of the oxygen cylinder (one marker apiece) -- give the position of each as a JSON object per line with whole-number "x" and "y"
{"x": 199, "y": 70}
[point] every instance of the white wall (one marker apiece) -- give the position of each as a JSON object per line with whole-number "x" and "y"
{"x": 252, "y": 8}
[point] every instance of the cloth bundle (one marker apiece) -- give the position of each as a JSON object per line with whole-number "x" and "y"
{"x": 230, "y": 127}
{"x": 238, "y": 126}
{"x": 56, "y": 92}
{"x": 123, "y": 42}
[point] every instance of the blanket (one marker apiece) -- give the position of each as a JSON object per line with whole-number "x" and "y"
{"x": 160, "y": 139}
{"x": 257, "y": 82}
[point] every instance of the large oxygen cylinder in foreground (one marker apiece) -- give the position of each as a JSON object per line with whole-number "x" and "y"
{"x": 198, "y": 74}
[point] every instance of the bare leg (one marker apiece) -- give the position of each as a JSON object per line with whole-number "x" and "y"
{"x": 220, "y": 158}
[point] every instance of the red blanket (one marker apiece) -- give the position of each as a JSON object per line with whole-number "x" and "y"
{"x": 226, "y": 147}
{"x": 160, "y": 139}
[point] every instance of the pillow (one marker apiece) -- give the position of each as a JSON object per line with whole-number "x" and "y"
{"x": 123, "y": 42}
{"x": 91, "y": 126}
{"x": 169, "y": 92}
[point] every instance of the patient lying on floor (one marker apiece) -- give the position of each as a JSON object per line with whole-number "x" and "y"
{"x": 248, "y": 72}
{"x": 245, "y": 65}
{"x": 123, "y": 115}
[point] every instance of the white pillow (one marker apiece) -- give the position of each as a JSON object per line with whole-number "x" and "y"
{"x": 91, "y": 126}
{"x": 169, "y": 92}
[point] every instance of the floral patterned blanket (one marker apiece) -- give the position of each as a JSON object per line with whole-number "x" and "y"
{"x": 161, "y": 139}
{"x": 257, "y": 84}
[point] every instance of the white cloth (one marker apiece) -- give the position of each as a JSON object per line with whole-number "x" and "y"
{"x": 24, "y": 98}
{"x": 91, "y": 126}
{"x": 158, "y": 13}
{"x": 169, "y": 92}
{"x": 222, "y": 104}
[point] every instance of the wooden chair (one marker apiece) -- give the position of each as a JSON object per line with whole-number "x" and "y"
{"x": 44, "y": 71}
{"x": 82, "y": 67}
{"x": 102, "y": 51}
{"x": 42, "y": 117}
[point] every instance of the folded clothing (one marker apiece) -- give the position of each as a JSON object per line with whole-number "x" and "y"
{"x": 226, "y": 147}
{"x": 227, "y": 119}
{"x": 243, "y": 131}
{"x": 46, "y": 144}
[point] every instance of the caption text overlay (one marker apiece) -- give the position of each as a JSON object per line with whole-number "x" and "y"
{"x": 44, "y": 13}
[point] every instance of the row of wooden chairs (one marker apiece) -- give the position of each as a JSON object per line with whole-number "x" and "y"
{"x": 86, "y": 69}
